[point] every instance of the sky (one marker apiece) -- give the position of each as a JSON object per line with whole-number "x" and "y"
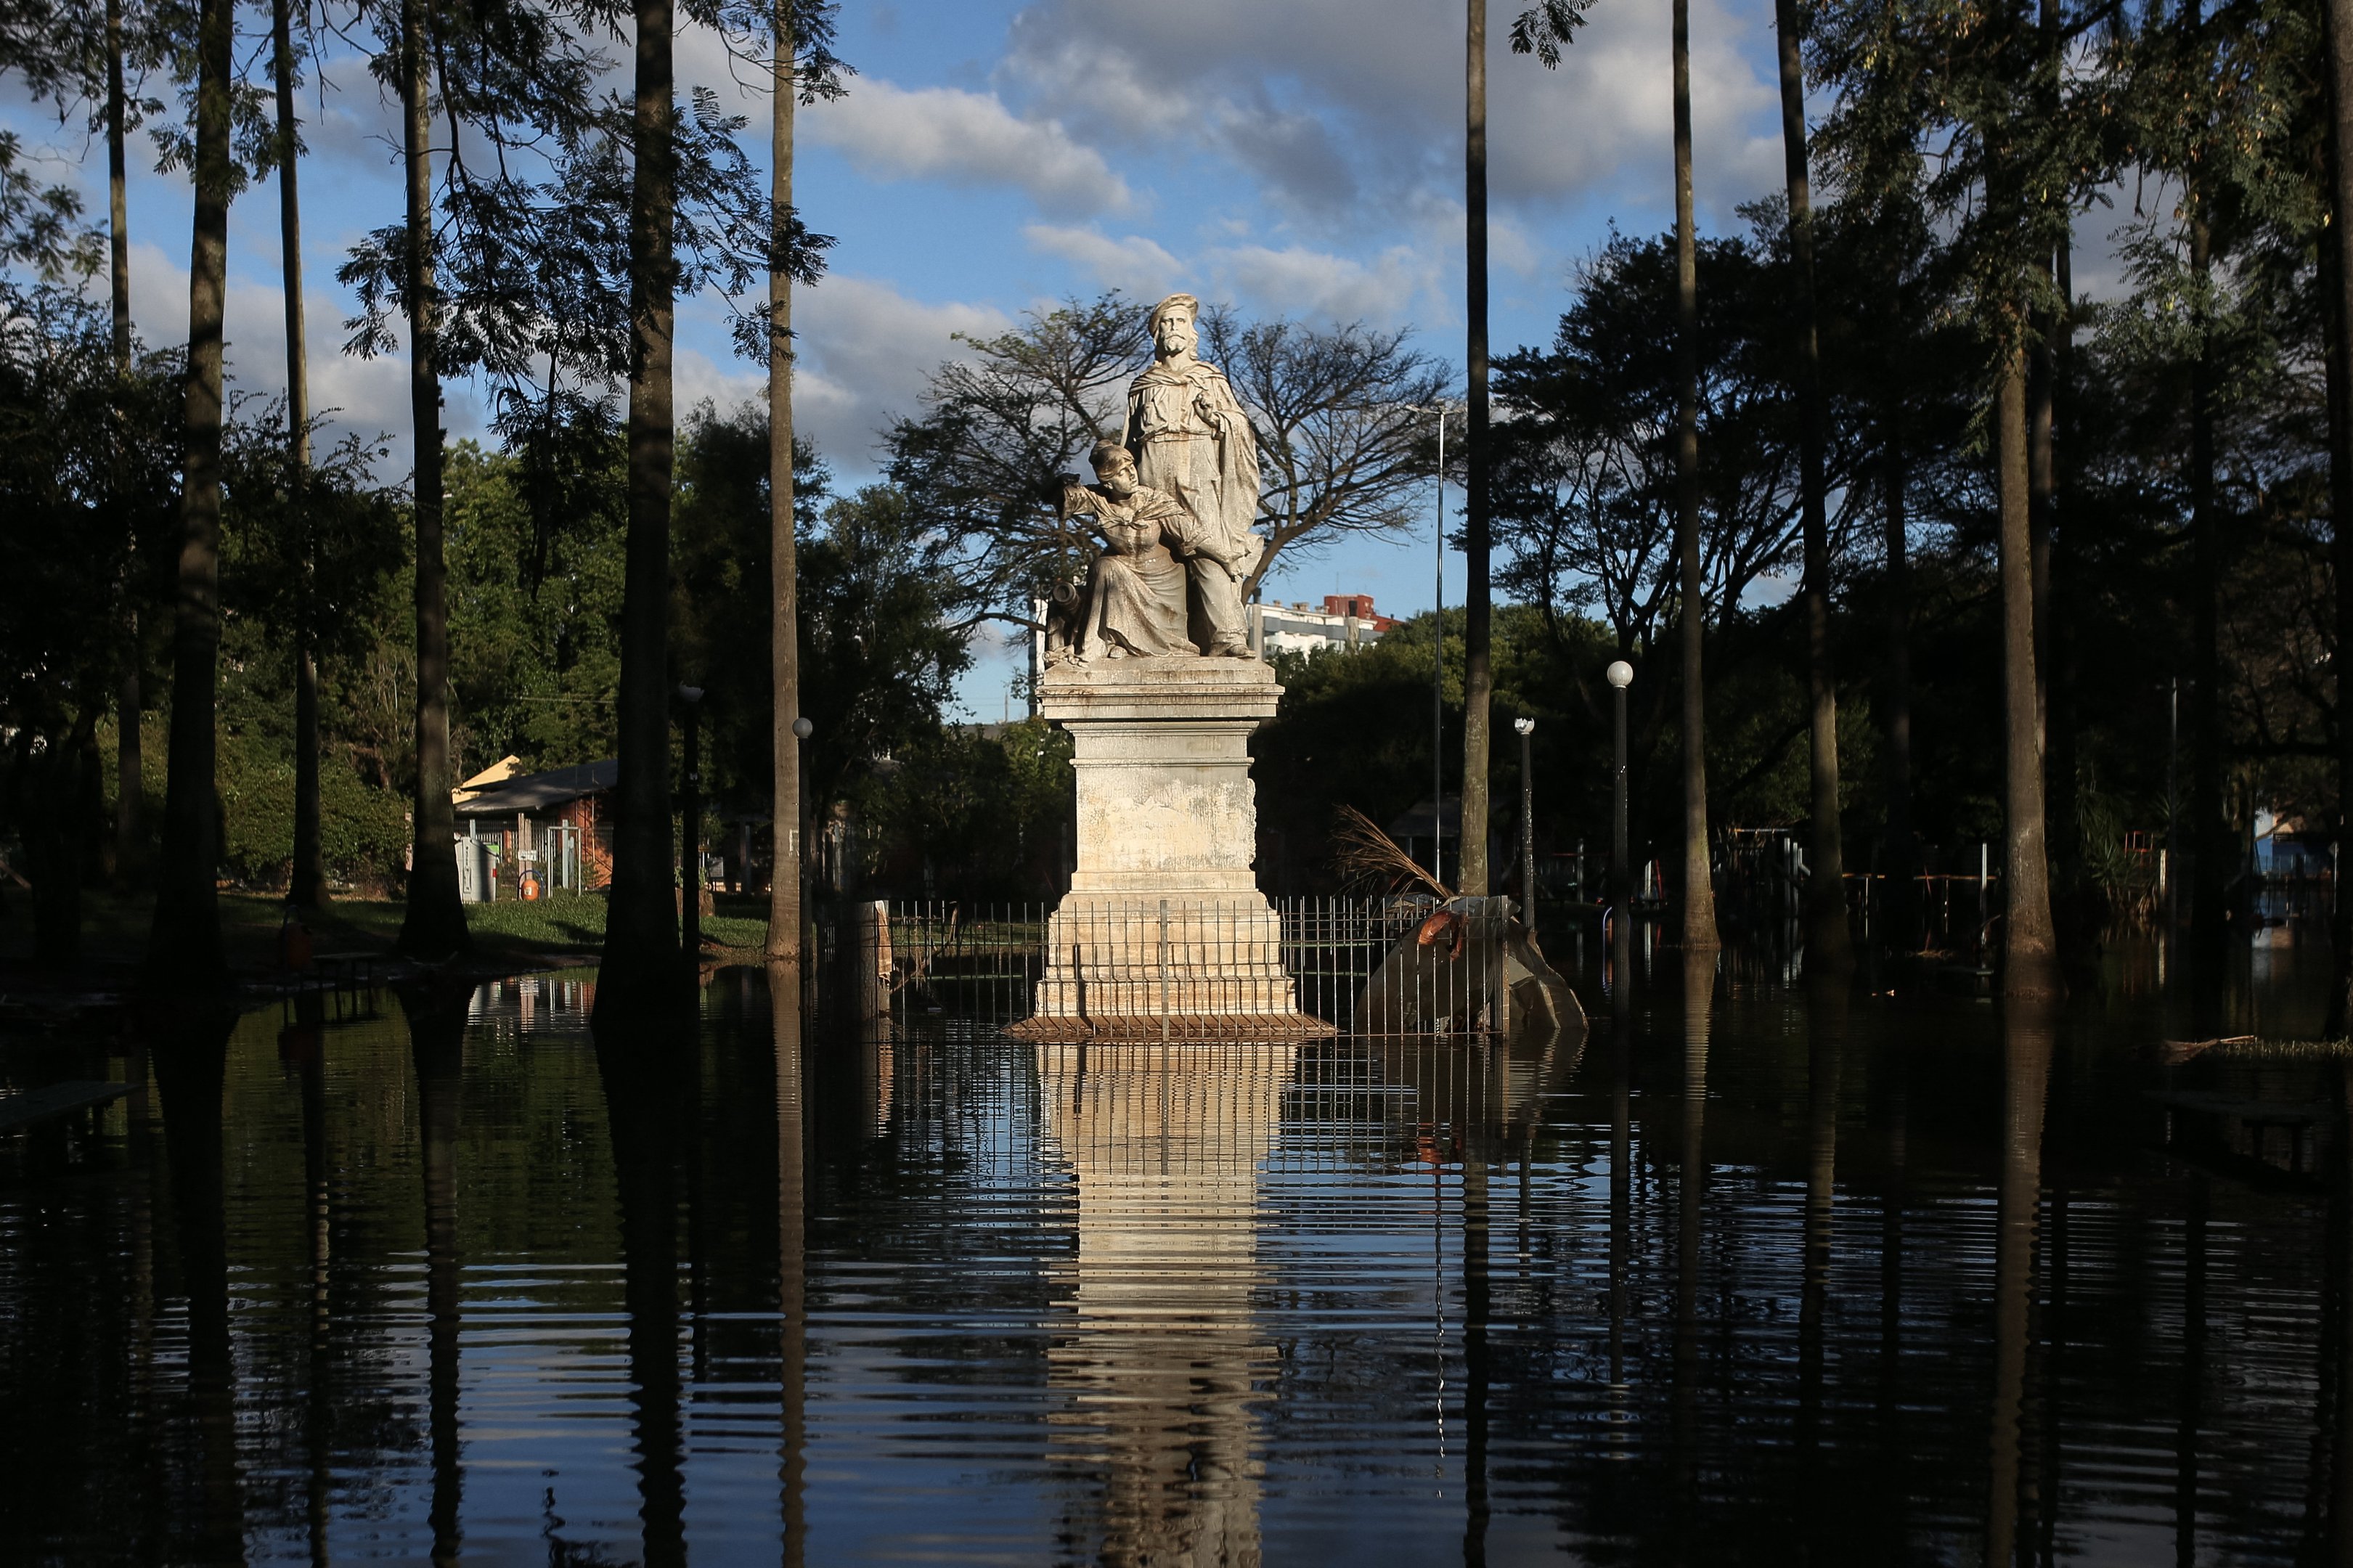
{"x": 1287, "y": 157}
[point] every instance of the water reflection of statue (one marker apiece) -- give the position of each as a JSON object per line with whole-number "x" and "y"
{"x": 1161, "y": 1357}
{"x": 1193, "y": 442}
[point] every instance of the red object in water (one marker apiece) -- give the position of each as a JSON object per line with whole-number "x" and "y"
{"x": 1438, "y": 926}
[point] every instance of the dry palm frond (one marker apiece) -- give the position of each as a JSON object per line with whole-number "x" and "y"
{"x": 1369, "y": 857}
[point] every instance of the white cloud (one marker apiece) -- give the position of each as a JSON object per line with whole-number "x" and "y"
{"x": 1320, "y": 283}
{"x": 966, "y": 138}
{"x": 696, "y": 377}
{"x": 1343, "y": 108}
{"x": 1135, "y": 263}
{"x": 866, "y": 354}
{"x": 368, "y": 399}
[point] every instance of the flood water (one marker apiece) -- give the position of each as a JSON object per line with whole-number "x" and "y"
{"x": 1741, "y": 1276}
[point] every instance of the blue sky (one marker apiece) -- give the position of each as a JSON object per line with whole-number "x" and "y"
{"x": 1298, "y": 157}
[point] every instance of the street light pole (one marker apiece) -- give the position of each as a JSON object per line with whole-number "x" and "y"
{"x": 689, "y": 921}
{"x": 1438, "y": 671}
{"x": 1620, "y": 676}
{"x": 1528, "y": 729}
{"x": 2172, "y": 778}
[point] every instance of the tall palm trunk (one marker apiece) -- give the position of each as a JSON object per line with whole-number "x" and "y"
{"x": 1828, "y": 948}
{"x": 2337, "y": 246}
{"x": 2030, "y": 966}
{"x": 2041, "y": 496}
{"x": 2058, "y": 655}
{"x": 641, "y": 929}
{"x": 434, "y": 926}
{"x": 2043, "y": 491}
{"x": 185, "y": 947}
{"x": 1478, "y": 633}
{"x": 784, "y": 612}
{"x": 130, "y": 788}
{"x": 1902, "y": 846}
{"x": 2212, "y": 848}
{"x": 309, "y": 887}
{"x": 1699, "y": 931}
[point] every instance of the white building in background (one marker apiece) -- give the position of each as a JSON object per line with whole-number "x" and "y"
{"x": 1347, "y": 620}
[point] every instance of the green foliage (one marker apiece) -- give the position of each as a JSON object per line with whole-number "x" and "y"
{"x": 879, "y": 654}
{"x": 534, "y": 662}
{"x": 720, "y": 610}
{"x": 971, "y": 811}
{"x": 362, "y": 832}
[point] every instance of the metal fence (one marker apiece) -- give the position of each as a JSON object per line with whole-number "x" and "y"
{"x": 1209, "y": 968}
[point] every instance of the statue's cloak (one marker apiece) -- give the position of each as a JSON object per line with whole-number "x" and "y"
{"x": 1192, "y": 441}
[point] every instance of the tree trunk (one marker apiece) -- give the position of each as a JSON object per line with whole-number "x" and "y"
{"x": 129, "y": 787}
{"x": 1902, "y": 846}
{"x": 1478, "y": 671}
{"x": 2029, "y": 966}
{"x": 1829, "y": 949}
{"x": 54, "y": 810}
{"x": 2214, "y": 849}
{"x": 2043, "y": 500}
{"x": 184, "y": 951}
{"x": 642, "y": 929}
{"x": 2337, "y": 253}
{"x": 309, "y": 884}
{"x": 1699, "y": 932}
{"x": 434, "y": 926}
{"x": 784, "y": 622}
{"x": 2055, "y": 655}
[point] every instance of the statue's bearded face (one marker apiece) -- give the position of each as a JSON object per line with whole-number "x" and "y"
{"x": 1118, "y": 476}
{"x": 1173, "y": 333}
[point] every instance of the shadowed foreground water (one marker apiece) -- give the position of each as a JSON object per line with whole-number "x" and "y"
{"x": 1757, "y": 1276}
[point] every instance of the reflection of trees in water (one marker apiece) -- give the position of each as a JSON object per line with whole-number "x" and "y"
{"x": 1691, "y": 1193}
{"x": 2161, "y": 1322}
{"x": 191, "y": 1063}
{"x": 435, "y": 1010}
{"x": 2026, "y": 1075}
{"x": 1158, "y": 1357}
{"x": 1826, "y": 1015}
{"x": 792, "y": 1258}
{"x": 649, "y": 1102}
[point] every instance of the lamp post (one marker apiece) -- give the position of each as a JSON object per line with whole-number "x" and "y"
{"x": 690, "y": 902}
{"x": 2172, "y": 778}
{"x": 1620, "y": 675}
{"x": 1437, "y": 646}
{"x": 1437, "y": 669}
{"x": 1528, "y": 729}
{"x": 797, "y": 833}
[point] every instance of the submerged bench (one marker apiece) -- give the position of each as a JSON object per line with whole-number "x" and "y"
{"x": 34, "y": 1106}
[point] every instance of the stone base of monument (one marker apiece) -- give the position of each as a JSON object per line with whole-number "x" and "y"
{"x": 1163, "y": 933}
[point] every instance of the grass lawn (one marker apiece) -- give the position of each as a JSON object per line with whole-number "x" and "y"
{"x": 115, "y": 926}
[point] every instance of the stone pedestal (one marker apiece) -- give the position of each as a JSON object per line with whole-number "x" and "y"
{"x": 1163, "y": 920}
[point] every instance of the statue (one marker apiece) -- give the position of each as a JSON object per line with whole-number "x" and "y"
{"x": 1135, "y": 605}
{"x": 1193, "y": 443}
